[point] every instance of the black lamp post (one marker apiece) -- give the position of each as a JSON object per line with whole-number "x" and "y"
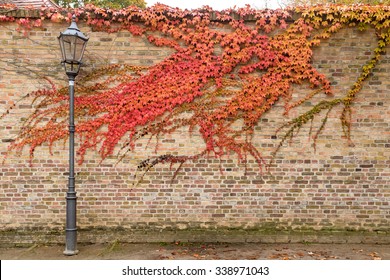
{"x": 72, "y": 42}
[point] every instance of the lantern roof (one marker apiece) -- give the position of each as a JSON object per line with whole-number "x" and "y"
{"x": 73, "y": 30}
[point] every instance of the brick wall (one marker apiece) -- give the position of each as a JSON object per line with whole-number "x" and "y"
{"x": 336, "y": 187}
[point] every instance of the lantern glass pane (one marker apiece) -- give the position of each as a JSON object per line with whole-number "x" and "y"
{"x": 79, "y": 51}
{"x": 72, "y": 48}
{"x": 69, "y": 48}
{"x": 62, "y": 48}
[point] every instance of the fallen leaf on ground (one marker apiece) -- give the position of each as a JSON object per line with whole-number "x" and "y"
{"x": 280, "y": 256}
{"x": 375, "y": 256}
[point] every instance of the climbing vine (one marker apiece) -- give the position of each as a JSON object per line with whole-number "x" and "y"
{"x": 221, "y": 70}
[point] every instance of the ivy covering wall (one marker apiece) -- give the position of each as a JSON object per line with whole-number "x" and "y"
{"x": 244, "y": 87}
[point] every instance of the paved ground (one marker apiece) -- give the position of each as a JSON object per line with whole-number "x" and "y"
{"x": 189, "y": 251}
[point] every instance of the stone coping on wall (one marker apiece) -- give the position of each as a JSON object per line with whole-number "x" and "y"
{"x": 25, "y": 238}
{"x": 36, "y": 13}
{"x": 20, "y": 13}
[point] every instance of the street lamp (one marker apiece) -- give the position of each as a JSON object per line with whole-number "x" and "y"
{"x": 72, "y": 42}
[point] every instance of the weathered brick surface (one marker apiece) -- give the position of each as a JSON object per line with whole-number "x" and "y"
{"x": 338, "y": 186}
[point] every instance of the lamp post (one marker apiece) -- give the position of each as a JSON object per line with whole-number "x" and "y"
{"x": 72, "y": 42}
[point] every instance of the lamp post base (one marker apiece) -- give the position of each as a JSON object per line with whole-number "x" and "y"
{"x": 71, "y": 252}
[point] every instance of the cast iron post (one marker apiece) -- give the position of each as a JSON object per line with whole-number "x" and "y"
{"x": 71, "y": 198}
